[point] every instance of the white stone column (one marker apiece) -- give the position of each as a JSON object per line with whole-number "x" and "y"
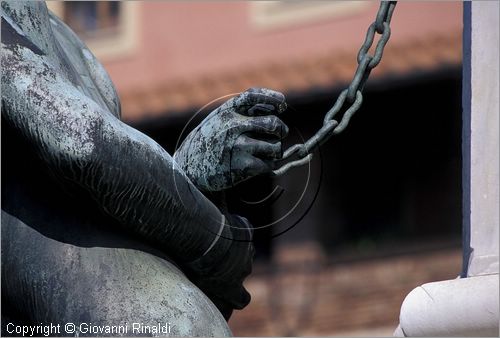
{"x": 469, "y": 306}
{"x": 484, "y": 135}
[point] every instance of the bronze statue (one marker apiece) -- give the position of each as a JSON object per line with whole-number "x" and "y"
{"x": 99, "y": 223}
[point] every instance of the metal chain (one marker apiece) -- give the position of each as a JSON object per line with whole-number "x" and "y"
{"x": 352, "y": 95}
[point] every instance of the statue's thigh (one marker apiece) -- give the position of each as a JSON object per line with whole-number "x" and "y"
{"x": 55, "y": 282}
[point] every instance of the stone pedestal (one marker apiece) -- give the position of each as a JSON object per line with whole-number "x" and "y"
{"x": 469, "y": 305}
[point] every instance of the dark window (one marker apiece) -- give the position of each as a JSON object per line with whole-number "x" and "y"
{"x": 89, "y": 18}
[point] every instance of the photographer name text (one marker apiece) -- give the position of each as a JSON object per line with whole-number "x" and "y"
{"x": 46, "y": 330}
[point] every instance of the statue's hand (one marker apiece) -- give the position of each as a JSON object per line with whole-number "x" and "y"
{"x": 238, "y": 140}
{"x": 221, "y": 278}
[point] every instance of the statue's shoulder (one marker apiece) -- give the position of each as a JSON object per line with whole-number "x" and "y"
{"x": 28, "y": 41}
{"x": 31, "y": 34}
{"x": 26, "y": 23}
{"x": 97, "y": 81}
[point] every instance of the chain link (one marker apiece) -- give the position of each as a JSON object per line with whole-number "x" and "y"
{"x": 352, "y": 95}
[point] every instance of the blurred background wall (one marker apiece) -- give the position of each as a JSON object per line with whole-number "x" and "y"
{"x": 378, "y": 212}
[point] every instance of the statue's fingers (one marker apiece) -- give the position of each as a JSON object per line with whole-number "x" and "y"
{"x": 266, "y": 150}
{"x": 259, "y": 148}
{"x": 264, "y": 95}
{"x": 259, "y": 96}
{"x": 261, "y": 109}
{"x": 264, "y": 126}
{"x": 245, "y": 166}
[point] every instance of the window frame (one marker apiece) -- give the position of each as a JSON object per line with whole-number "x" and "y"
{"x": 122, "y": 43}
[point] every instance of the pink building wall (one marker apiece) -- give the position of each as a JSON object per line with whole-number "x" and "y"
{"x": 182, "y": 41}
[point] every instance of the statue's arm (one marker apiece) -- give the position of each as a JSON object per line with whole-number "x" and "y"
{"x": 131, "y": 177}
{"x": 126, "y": 172}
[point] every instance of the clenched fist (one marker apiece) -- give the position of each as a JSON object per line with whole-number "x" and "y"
{"x": 238, "y": 140}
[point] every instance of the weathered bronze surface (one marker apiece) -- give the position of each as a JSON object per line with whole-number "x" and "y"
{"x": 99, "y": 223}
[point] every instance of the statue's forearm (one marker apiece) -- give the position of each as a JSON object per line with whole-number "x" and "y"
{"x": 137, "y": 182}
{"x": 131, "y": 177}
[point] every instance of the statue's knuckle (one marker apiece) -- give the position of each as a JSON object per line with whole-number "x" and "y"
{"x": 273, "y": 122}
